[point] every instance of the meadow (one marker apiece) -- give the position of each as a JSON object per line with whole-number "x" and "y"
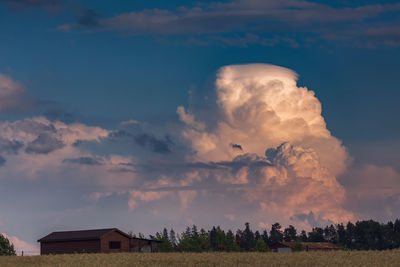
{"x": 339, "y": 258}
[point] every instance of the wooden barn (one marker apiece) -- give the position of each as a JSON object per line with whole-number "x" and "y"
{"x": 94, "y": 241}
{"x": 305, "y": 246}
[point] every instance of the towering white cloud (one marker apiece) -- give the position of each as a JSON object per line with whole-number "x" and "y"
{"x": 274, "y": 121}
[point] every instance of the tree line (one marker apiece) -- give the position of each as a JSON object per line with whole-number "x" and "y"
{"x": 363, "y": 235}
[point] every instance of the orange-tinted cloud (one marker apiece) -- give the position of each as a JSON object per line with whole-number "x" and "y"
{"x": 270, "y": 117}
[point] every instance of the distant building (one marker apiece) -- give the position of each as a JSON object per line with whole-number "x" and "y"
{"x": 304, "y": 246}
{"x": 95, "y": 241}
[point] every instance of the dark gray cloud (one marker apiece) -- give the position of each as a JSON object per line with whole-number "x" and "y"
{"x": 78, "y": 143}
{"x": 2, "y": 161}
{"x": 83, "y": 161}
{"x": 119, "y": 134}
{"x": 236, "y": 146}
{"x": 145, "y": 140}
{"x": 34, "y": 127}
{"x": 308, "y": 218}
{"x": 44, "y": 144}
{"x": 173, "y": 167}
{"x": 10, "y": 146}
{"x": 162, "y": 146}
{"x": 88, "y": 18}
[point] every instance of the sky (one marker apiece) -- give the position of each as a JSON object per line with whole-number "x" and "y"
{"x": 142, "y": 115}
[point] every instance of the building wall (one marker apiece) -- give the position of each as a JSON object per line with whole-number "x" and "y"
{"x": 284, "y": 250}
{"x": 114, "y": 236}
{"x": 154, "y": 246}
{"x": 69, "y": 247}
{"x": 139, "y": 245}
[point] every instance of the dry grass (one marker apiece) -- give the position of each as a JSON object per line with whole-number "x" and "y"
{"x": 340, "y": 258}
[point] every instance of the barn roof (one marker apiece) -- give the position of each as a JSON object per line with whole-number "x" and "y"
{"x": 79, "y": 235}
{"x": 310, "y": 245}
{"x": 146, "y": 239}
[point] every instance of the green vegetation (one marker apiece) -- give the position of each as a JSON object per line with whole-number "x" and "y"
{"x": 260, "y": 245}
{"x": 363, "y": 235}
{"x": 6, "y": 248}
{"x": 339, "y": 258}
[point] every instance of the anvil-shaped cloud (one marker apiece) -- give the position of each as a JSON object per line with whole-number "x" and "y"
{"x": 264, "y": 111}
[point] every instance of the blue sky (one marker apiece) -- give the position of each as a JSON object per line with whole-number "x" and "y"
{"x": 83, "y": 69}
{"x": 93, "y": 65}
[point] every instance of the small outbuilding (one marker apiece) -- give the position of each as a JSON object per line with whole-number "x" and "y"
{"x": 144, "y": 245}
{"x": 303, "y": 246}
{"x": 94, "y": 241}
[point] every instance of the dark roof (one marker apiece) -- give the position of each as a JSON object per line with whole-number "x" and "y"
{"x": 79, "y": 235}
{"x": 310, "y": 245}
{"x": 153, "y": 240}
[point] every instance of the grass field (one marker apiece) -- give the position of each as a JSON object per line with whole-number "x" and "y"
{"x": 341, "y": 258}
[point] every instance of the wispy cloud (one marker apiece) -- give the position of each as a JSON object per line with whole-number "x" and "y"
{"x": 255, "y": 18}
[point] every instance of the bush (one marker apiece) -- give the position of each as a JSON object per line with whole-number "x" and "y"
{"x": 260, "y": 245}
{"x": 298, "y": 245}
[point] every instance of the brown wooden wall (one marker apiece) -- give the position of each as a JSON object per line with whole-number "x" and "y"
{"x": 154, "y": 246}
{"x": 90, "y": 246}
{"x": 114, "y": 236}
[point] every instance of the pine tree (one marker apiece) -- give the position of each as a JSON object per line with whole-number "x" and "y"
{"x": 204, "y": 240}
{"x": 275, "y": 234}
{"x": 316, "y": 235}
{"x": 172, "y": 239}
{"x": 289, "y": 234}
{"x": 248, "y": 238}
{"x": 303, "y": 236}
{"x": 6, "y": 247}
{"x": 230, "y": 242}
{"x": 165, "y": 245}
{"x": 239, "y": 239}
{"x": 396, "y": 230}
{"x": 341, "y": 234}
{"x": 330, "y": 234}
{"x": 220, "y": 239}
{"x": 350, "y": 231}
{"x": 213, "y": 238}
{"x": 265, "y": 237}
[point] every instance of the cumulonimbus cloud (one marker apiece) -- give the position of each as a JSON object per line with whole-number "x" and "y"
{"x": 269, "y": 151}
{"x": 275, "y": 121}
